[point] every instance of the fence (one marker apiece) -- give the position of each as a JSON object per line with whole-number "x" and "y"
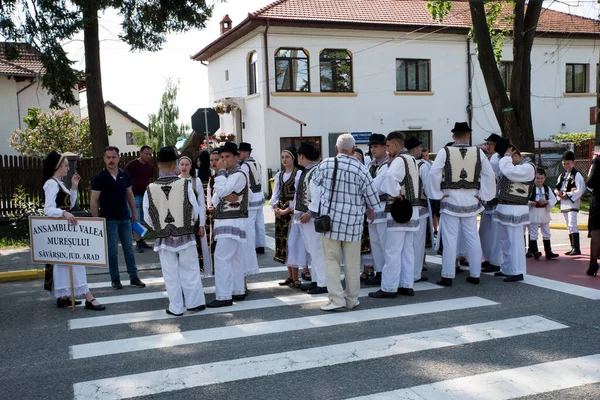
{"x": 26, "y": 172}
{"x": 548, "y": 155}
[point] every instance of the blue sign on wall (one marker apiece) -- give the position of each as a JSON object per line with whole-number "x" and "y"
{"x": 361, "y": 137}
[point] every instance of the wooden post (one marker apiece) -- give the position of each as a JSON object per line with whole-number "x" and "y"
{"x": 72, "y": 288}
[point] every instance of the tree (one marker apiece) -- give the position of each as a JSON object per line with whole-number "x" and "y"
{"x": 45, "y": 24}
{"x": 58, "y": 130}
{"x": 488, "y": 18}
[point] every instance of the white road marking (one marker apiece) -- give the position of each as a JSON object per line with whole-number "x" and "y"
{"x": 155, "y": 382}
{"x": 277, "y": 301}
{"x": 575, "y": 290}
{"x": 97, "y": 349}
{"x": 506, "y": 384}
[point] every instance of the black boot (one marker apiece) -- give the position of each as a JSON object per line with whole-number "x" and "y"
{"x": 548, "y": 250}
{"x": 533, "y": 249}
{"x": 568, "y": 253}
{"x": 375, "y": 280}
{"x": 576, "y": 250}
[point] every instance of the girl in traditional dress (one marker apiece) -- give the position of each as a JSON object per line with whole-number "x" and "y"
{"x": 58, "y": 201}
{"x": 289, "y": 246}
{"x": 204, "y": 258}
{"x": 366, "y": 259}
{"x": 210, "y": 187}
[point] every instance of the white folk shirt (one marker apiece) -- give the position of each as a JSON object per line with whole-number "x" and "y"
{"x": 509, "y": 214}
{"x": 234, "y": 228}
{"x": 424, "y": 169}
{"x": 380, "y": 214}
{"x": 391, "y": 186}
{"x": 573, "y": 200}
{"x": 51, "y": 189}
{"x": 541, "y": 215}
{"x": 461, "y": 202}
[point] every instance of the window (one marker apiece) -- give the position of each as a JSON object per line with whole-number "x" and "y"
{"x": 577, "y": 78}
{"x": 129, "y": 139}
{"x": 412, "y": 75}
{"x": 505, "y": 68}
{"x": 252, "y": 73}
{"x": 226, "y": 75}
{"x": 291, "y": 70}
{"x": 336, "y": 71}
{"x": 423, "y": 136}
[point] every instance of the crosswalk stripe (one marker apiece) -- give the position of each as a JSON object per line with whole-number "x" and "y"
{"x": 150, "y": 383}
{"x": 161, "y": 281}
{"x": 97, "y": 349}
{"x": 277, "y": 301}
{"x": 575, "y": 290}
{"x": 505, "y": 384}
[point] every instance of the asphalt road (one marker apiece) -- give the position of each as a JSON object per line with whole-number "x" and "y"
{"x": 492, "y": 341}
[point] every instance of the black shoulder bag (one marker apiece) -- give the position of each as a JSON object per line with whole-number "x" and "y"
{"x": 323, "y": 222}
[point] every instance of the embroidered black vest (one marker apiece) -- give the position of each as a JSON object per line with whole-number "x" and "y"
{"x": 303, "y": 193}
{"x": 374, "y": 171}
{"x": 546, "y": 193}
{"x": 286, "y": 189}
{"x": 63, "y": 198}
{"x": 422, "y": 196}
{"x": 409, "y": 185}
{"x": 570, "y": 180}
{"x": 254, "y": 175}
{"x": 234, "y": 209}
{"x": 462, "y": 169}
{"x": 170, "y": 208}
{"x": 515, "y": 193}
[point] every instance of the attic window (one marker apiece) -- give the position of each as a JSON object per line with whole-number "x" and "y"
{"x": 226, "y": 75}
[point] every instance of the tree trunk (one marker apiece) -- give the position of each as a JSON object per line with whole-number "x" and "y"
{"x": 93, "y": 78}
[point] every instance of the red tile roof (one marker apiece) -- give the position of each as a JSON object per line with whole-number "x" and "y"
{"x": 397, "y": 14}
{"x": 27, "y": 64}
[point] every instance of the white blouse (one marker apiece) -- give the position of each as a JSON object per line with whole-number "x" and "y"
{"x": 51, "y": 189}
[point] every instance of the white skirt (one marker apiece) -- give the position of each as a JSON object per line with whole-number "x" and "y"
{"x": 297, "y": 256}
{"x": 61, "y": 283}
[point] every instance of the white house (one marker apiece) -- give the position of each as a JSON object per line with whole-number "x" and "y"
{"x": 122, "y": 125}
{"x": 317, "y": 69}
{"x": 21, "y": 89}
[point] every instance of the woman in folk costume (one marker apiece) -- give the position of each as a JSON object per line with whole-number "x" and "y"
{"x": 204, "y": 255}
{"x": 366, "y": 259}
{"x": 58, "y": 201}
{"x": 289, "y": 246}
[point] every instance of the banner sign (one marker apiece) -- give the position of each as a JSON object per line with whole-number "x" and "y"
{"x": 55, "y": 241}
{"x": 361, "y": 137}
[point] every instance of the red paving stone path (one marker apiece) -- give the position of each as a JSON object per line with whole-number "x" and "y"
{"x": 565, "y": 269}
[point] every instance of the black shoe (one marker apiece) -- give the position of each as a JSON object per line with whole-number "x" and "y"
{"x": 380, "y": 294}
{"x": 136, "y": 283}
{"x": 90, "y": 306}
{"x": 139, "y": 248}
{"x": 318, "y": 290}
{"x": 459, "y": 269}
{"x": 287, "y": 282}
{"x": 422, "y": 279}
{"x": 173, "y": 314}
{"x": 260, "y": 250}
{"x": 491, "y": 268}
{"x": 500, "y": 274}
{"x": 308, "y": 286}
{"x": 219, "y": 303}
{"x": 406, "y": 291}
{"x": 593, "y": 269}
{"x": 474, "y": 281}
{"x": 374, "y": 281}
{"x": 548, "y": 250}
{"x": 305, "y": 277}
{"x": 199, "y": 308}
{"x": 485, "y": 264}
{"x": 238, "y": 297}
{"x": 463, "y": 263}
{"x": 116, "y": 284}
{"x": 145, "y": 245}
{"x": 514, "y": 278}
{"x": 574, "y": 252}
{"x": 444, "y": 282}
{"x": 60, "y": 302}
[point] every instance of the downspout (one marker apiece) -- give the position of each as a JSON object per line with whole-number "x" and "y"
{"x": 33, "y": 82}
{"x": 470, "y": 89}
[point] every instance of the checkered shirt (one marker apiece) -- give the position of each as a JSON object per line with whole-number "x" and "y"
{"x": 354, "y": 192}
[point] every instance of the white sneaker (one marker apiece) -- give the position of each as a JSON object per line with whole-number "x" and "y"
{"x": 356, "y": 304}
{"x": 331, "y": 306}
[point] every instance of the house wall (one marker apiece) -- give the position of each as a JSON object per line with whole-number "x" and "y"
{"x": 120, "y": 126}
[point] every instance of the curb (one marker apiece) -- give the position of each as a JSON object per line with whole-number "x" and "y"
{"x": 21, "y": 275}
{"x": 555, "y": 225}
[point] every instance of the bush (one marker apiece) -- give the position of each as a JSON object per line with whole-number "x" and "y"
{"x": 25, "y": 207}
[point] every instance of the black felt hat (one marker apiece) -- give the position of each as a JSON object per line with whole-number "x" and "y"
{"x": 309, "y": 150}
{"x": 412, "y": 142}
{"x": 568, "y": 156}
{"x": 461, "y": 127}
{"x": 245, "y": 146}
{"x": 377, "y": 138}
{"x": 229, "y": 147}
{"x": 359, "y": 151}
{"x": 501, "y": 146}
{"x": 494, "y": 138}
{"x": 401, "y": 211}
{"x": 166, "y": 154}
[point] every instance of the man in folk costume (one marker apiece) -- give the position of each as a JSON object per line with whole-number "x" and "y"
{"x": 569, "y": 189}
{"x": 488, "y": 228}
{"x": 232, "y": 195}
{"x": 215, "y": 156}
{"x": 461, "y": 176}
{"x": 415, "y": 146}
{"x": 257, "y": 198}
{"x": 170, "y": 208}
{"x": 517, "y": 176}
{"x": 305, "y": 210}
{"x": 540, "y": 203}
{"x": 401, "y": 181}
{"x": 377, "y": 229}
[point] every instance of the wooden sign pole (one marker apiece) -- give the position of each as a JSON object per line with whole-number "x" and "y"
{"x": 72, "y": 288}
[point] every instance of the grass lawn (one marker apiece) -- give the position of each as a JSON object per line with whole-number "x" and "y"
{"x": 11, "y": 243}
{"x": 585, "y": 205}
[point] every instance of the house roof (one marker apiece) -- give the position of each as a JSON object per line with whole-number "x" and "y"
{"x": 126, "y": 115}
{"x": 384, "y": 14}
{"x": 27, "y": 64}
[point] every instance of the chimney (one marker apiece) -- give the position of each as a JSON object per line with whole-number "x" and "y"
{"x": 225, "y": 24}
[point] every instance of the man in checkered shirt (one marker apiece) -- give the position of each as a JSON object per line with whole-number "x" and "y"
{"x": 354, "y": 192}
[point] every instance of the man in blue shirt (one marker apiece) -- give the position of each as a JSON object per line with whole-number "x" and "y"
{"x": 111, "y": 189}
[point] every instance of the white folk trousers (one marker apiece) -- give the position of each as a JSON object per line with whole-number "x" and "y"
{"x": 545, "y": 228}
{"x": 312, "y": 241}
{"x": 488, "y": 234}
{"x": 181, "y": 272}
{"x": 250, "y": 261}
{"x": 259, "y": 225}
{"x": 331, "y": 253}
{"x": 571, "y": 220}
{"x": 229, "y": 268}
{"x": 377, "y": 235}
{"x": 451, "y": 225}
{"x": 419, "y": 248}
{"x": 511, "y": 240}
{"x": 399, "y": 261}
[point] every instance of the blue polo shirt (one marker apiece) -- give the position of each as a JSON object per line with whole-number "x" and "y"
{"x": 113, "y": 194}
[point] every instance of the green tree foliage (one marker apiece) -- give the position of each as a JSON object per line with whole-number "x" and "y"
{"x": 58, "y": 130}
{"x": 45, "y": 24}
{"x": 576, "y": 138}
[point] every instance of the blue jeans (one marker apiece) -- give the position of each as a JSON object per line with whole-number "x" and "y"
{"x": 139, "y": 200}
{"x": 115, "y": 230}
